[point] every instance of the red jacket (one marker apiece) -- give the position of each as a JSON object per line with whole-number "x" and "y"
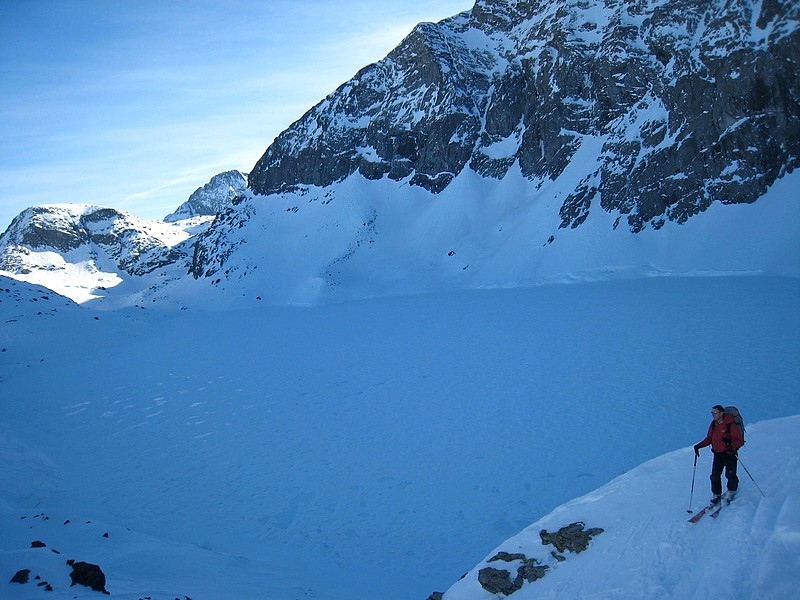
{"x": 718, "y": 437}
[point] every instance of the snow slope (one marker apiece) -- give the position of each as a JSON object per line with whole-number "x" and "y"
{"x": 357, "y": 239}
{"x": 379, "y": 448}
{"x": 647, "y": 550}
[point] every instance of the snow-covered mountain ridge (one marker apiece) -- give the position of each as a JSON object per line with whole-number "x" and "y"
{"x": 687, "y": 102}
{"x": 80, "y": 251}
{"x": 214, "y": 197}
{"x": 517, "y": 143}
{"x": 500, "y": 131}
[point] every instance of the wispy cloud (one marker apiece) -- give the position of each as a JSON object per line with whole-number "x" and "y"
{"x": 136, "y": 104}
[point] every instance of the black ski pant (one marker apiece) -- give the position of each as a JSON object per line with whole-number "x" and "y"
{"x": 724, "y": 461}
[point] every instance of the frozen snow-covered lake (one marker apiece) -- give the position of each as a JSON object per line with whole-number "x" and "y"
{"x": 380, "y": 448}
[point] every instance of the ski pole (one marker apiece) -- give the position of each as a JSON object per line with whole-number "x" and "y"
{"x": 691, "y": 496}
{"x": 751, "y": 478}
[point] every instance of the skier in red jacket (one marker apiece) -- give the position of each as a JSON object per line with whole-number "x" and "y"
{"x": 725, "y": 438}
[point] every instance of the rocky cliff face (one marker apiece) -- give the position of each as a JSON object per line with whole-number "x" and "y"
{"x": 214, "y": 197}
{"x": 690, "y": 102}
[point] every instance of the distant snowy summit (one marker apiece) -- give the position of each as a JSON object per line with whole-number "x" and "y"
{"x": 81, "y": 251}
{"x": 215, "y": 196}
{"x": 516, "y": 143}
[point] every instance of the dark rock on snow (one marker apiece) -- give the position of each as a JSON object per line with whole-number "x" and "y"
{"x": 499, "y": 581}
{"x": 572, "y": 537}
{"x": 21, "y": 576}
{"x": 89, "y": 575}
{"x": 496, "y": 581}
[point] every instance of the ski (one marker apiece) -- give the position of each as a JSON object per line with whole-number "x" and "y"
{"x": 696, "y": 516}
{"x": 725, "y": 502}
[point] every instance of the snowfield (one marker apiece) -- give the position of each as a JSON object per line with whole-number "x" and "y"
{"x": 381, "y": 448}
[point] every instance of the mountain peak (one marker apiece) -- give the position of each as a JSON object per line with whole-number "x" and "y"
{"x": 80, "y": 250}
{"x": 216, "y": 195}
{"x": 692, "y": 106}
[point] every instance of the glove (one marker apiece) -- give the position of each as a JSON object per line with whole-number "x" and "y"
{"x": 697, "y": 450}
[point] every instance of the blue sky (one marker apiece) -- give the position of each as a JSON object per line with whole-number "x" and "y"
{"x": 135, "y": 104}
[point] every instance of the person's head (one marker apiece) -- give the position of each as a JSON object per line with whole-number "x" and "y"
{"x": 717, "y": 411}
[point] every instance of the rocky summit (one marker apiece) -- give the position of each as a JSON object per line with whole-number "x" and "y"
{"x": 688, "y": 102}
{"x": 486, "y": 136}
{"x": 212, "y": 198}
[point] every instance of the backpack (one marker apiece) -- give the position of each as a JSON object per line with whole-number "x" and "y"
{"x": 737, "y": 418}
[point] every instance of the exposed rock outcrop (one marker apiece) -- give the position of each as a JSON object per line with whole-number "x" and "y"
{"x": 89, "y": 575}
{"x": 21, "y": 576}
{"x": 572, "y": 538}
